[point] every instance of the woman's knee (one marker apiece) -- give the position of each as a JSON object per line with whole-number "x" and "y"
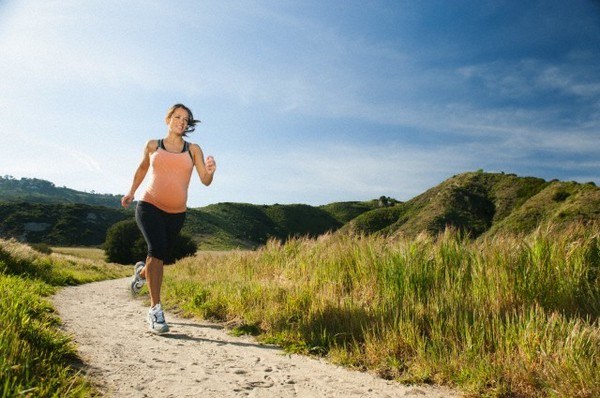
{"x": 152, "y": 261}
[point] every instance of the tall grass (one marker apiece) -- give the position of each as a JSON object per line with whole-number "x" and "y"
{"x": 502, "y": 316}
{"x": 36, "y": 359}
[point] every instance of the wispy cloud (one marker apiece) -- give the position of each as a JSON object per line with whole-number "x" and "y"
{"x": 388, "y": 109}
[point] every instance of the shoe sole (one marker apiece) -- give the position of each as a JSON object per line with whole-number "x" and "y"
{"x": 160, "y": 331}
{"x": 136, "y": 285}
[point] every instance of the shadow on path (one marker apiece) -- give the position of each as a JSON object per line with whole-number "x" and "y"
{"x": 187, "y": 337}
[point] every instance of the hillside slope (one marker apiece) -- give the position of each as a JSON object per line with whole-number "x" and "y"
{"x": 484, "y": 203}
{"x": 477, "y": 203}
{"x": 227, "y": 225}
{"x": 58, "y": 224}
{"x": 219, "y": 226}
{"x": 42, "y": 191}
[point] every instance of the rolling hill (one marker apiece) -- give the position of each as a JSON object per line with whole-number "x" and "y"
{"x": 34, "y": 211}
{"x": 58, "y": 224}
{"x": 485, "y": 203}
{"x": 478, "y": 203}
{"x": 42, "y": 191}
{"x": 226, "y": 225}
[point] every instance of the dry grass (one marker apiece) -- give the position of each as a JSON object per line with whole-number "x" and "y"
{"x": 91, "y": 253}
{"x": 504, "y": 316}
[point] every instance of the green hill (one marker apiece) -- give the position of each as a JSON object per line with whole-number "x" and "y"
{"x": 218, "y": 226}
{"x": 346, "y": 211}
{"x": 58, "y": 224}
{"x": 484, "y": 203}
{"x": 226, "y": 225}
{"x": 477, "y": 203}
{"x": 42, "y": 191}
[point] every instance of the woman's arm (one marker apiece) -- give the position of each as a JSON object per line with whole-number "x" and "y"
{"x": 206, "y": 170}
{"x": 140, "y": 173}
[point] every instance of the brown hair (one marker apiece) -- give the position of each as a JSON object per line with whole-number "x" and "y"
{"x": 191, "y": 123}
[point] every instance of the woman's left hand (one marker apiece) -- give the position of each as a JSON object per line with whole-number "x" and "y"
{"x": 211, "y": 165}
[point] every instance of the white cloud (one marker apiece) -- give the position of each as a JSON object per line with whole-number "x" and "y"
{"x": 87, "y": 83}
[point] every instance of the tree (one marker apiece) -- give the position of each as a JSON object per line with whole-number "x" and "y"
{"x": 125, "y": 244}
{"x": 184, "y": 247}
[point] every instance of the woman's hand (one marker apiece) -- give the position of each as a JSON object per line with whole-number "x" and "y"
{"x": 126, "y": 200}
{"x": 211, "y": 165}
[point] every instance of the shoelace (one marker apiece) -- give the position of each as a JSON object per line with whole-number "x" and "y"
{"x": 159, "y": 317}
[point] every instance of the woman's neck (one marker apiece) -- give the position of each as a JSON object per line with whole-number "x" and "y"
{"x": 173, "y": 138}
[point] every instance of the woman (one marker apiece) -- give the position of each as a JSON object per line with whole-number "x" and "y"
{"x": 160, "y": 213}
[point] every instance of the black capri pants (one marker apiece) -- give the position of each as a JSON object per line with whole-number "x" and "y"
{"x": 160, "y": 229}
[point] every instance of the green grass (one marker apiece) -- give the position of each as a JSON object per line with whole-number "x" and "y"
{"x": 501, "y": 316}
{"x": 36, "y": 359}
{"x": 90, "y": 253}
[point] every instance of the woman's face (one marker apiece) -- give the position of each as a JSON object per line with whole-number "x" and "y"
{"x": 179, "y": 121}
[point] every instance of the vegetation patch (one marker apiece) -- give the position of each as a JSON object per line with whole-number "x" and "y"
{"x": 476, "y": 203}
{"x": 508, "y": 315}
{"x": 36, "y": 359}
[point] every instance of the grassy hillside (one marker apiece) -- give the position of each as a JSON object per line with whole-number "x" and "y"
{"x": 476, "y": 203}
{"x": 34, "y": 210}
{"x": 501, "y": 316}
{"x": 243, "y": 225}
{"x": 557, "y": 203}
{"x": 485, "y": 203}
{"x": 58, "y": 224}
{"x": 36, "y": 359}
{"x": 218, "y": 226}
{"x": 346, "y": 211}
{"x": 42, "y": 191}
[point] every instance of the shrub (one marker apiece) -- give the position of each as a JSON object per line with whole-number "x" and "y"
{"x": 184, "y": 247}
{"x": 125, "y": 244}
{"x": 560, "y": 196}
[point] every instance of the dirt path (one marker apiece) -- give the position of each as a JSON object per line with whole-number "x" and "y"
{"x": 196, "y": 359}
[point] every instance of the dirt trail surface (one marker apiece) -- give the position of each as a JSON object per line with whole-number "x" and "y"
{"x": 197, "y": 358}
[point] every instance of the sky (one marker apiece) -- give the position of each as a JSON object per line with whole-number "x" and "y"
{"x": 307, "y": 102}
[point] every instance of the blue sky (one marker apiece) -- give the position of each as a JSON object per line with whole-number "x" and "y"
{"x": 302, "y": 101}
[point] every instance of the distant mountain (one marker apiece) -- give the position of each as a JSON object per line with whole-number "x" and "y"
{"x": 481, "y": 203}
{"x": 42, "y": 191}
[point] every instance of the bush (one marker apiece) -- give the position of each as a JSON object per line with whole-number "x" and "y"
{"x": 560, "y": 196}
{"x": 125, "y": 244}
{"x": 184, "y": 247}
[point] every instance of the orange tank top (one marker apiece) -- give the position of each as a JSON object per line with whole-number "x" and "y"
{"x": 170, "y": 175}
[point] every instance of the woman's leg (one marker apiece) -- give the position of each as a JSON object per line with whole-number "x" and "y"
{"x": 153, "y": 273}
{"x": 153, "y": 225}
{"x": 160, "y": 231}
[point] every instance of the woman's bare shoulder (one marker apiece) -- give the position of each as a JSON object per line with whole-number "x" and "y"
{"x": 152, "y": 145}
{"x": 195, "y": 148}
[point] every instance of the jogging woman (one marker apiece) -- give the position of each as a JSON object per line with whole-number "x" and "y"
{"x": 160, "y": 212}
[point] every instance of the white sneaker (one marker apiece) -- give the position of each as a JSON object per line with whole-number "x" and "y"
{"x": 156, "y": 320}
{"x": 137, "y": 282}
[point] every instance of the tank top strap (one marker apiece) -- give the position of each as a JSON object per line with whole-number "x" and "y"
{"x": 186, "y": 147}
